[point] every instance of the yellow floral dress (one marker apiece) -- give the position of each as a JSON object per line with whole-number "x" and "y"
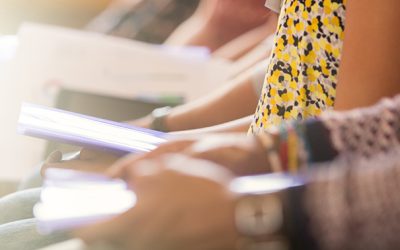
{"x": 302, "y": 75}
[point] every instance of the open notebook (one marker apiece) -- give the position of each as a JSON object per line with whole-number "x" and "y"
{"x": 82, "y": 130}
{"x": 71, "y": 199}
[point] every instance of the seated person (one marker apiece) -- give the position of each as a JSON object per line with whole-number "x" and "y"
{"x": 312, "y": 108}
{"x": 19, "y": 220}
{"x": 335, "y": 209}
{"x": 349, "y": 203}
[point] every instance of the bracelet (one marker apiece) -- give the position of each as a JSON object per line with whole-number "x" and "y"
{"x": 293, "y": 147}
{"x": 158, "y": 119}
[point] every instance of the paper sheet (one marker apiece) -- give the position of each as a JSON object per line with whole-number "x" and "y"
{"x": 82, "y": 130}
{"x": 71, "y": 199}
{"x": 105, "y": 65}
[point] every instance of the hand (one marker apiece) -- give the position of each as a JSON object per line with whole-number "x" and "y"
{"x": 86, "y": 160}
{"x": 122, "y": 167}
{"x": 179, "y": 207}
{"x": 241, "y": 154}
{"x": 144, "y": 122}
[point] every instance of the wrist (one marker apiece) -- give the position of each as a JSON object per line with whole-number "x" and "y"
{"x": 159, "y": 119}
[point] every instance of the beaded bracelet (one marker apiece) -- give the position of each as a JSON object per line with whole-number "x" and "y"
{"x": 293, "y": 150}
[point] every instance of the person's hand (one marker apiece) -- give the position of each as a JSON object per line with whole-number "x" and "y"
{"x": 241, "y": 154}
{"x": 122, "y": 167}
{"x": 86, "y": 160}
{"x": 144, "y": 122}
{"x": 182, "y": 204}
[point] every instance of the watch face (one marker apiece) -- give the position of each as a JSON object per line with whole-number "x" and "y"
{"x": 261, "y": 215}
{"x": 161, "y": 112}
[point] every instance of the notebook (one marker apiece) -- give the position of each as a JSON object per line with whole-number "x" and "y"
{"x": 82, "y": 130}
{"x": 71, "y": 199}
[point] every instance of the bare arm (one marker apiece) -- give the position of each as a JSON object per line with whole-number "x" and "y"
{"x": 220, "y": 21}
{"x": 246, "y": 43}
{"x": 234, "y": 100}
{"x": 236, "y": 126}
{"x": 371, "y": 54}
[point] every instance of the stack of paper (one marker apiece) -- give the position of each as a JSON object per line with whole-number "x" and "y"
{"x": 81, "y": 130}
{"x": 72, "y": 199}
{"x": 99, "y": 64}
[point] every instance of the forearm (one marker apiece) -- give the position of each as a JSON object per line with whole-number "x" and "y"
{"x": 233, "y": 101}
{"x": 235, "y": 126}
{"x": 247, "y": 42}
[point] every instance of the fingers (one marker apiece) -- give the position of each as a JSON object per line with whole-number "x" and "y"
{"x": 126, "y": 229}
{"x": 114, "y": 231}
{"x": 119, "y": 169}
{"x": 54, "y": 157}
{"x": 88, "y": 154}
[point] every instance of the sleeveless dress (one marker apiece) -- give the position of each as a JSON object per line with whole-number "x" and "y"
{"x": 302, "y": 74}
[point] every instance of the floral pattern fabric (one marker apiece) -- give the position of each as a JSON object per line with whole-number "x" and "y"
{"x": 302, "y": 75}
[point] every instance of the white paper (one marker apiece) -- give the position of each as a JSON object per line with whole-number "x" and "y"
{"x": 76, "y": 129}
{"x": 118, "y": 67}
{"x": 71, "y": 199}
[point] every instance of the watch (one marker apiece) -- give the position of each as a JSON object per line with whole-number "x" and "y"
{"x": 258, "y": 215}
{"x": 259, "y": 220}
{"x": 158, "y": 119}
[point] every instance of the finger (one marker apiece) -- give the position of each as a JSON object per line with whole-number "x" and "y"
{"x": 159, "y": 228}
{"x": 55, "y": 156}
{"x": 118, "y": 170}
{"x": 116, "y": 230}
{"x": 89, "y": 154}
{"x": 76, "y": 165}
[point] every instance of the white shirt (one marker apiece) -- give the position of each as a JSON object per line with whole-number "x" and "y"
{"x": 274, "y": 5}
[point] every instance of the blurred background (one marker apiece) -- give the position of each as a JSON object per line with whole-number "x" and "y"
{"x": 71, "y": 13}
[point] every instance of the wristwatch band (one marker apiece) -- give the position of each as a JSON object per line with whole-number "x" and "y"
{"x": 158, "y": 119}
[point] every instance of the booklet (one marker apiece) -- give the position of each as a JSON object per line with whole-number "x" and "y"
{"x": 87, "y": 131}
{"x": 71, "y": 199}
{"x": 98, "y": 64}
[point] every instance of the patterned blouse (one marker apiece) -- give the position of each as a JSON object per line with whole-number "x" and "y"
{"x": 302, "y": 75}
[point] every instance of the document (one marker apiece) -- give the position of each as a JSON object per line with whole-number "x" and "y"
{"x": 82, "y": 130}
{"x": 99, "y": 64}
{"x": 72, "y": 199}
